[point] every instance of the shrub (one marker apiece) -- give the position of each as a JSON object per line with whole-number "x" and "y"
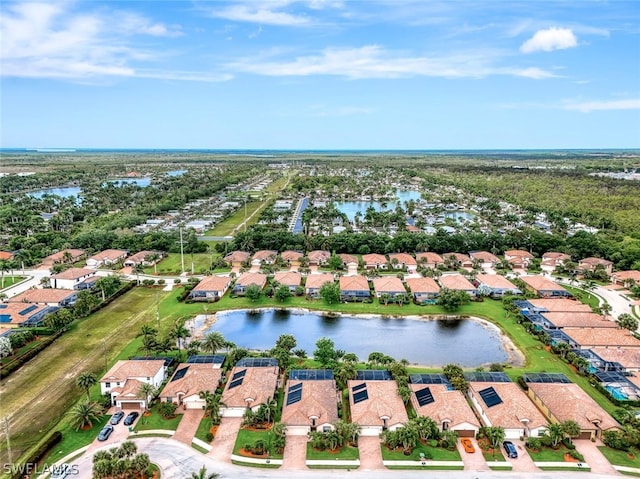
{"x": 534, "y": 443}
{"x": 568, "y": 444}
{"x": 576, "y": 455}
{"x": 209, "y": 437}
{"x": 161, "y": 281}
{"x": 177, "y": 281}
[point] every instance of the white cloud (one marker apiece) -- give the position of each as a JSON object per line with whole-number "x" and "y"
{"x": 550, "y": 39}
{"x": 373, "y": 61}
{"x": 588, "y": 106}
{"x": 259, "y": 13}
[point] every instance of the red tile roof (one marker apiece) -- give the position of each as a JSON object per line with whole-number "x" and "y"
{"x": 354, "y": 283}
{"x": 74, "y": 273}
{"x": 259, "y": 385}
{"x": 383, "y": 401}
{"x": 403, "y": 258}
{"x": 213, "y": 283}
{"x": 484, "y": 256}
{"x": 495, "y": 281}
{"x": 317, "y": 280}
{"x": 288, "y": 278}
{"x": 388, "y": 284}
{"x": 373, "y": 259}
{"x": 319, "y": 400}
{"x": 457, "y": 282}
{"x": 422, "y": 285}
{"x": 246, "y": 279}
{"x": 540, "y": 283}
{"x": 42, "y": 296}
{"x": 431, "y": 258}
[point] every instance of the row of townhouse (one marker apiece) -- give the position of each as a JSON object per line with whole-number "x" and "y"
{"x": 105, "y": 258}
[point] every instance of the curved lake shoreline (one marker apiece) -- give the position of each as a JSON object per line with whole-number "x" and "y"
{"x": 492, "y": 333}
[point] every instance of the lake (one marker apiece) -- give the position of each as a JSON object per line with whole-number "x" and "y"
{"x": 142, "y": 182}
{"x": 350, "y": 208}
{"x": 65, "y": 192}
{"x": 467, "y": 342}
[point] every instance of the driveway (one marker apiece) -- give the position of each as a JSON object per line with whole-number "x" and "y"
{"x": 524, "y": 463}
{"x": 120, "y": 433}
{"x": 188, "y": 426}
{"x": 295, "y": 453}
{"x": 370, "y": 453}
{"x": 473, "y": 461}
{"x": 222, "y": 445}
{"x": 593, "y": 456}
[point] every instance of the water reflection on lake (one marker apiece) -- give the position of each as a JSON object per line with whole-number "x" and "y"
{"x": 466, "y": 342}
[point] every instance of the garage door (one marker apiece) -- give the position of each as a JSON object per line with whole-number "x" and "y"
{"x": 130, "y": 405}
{"x": 466, "y": 433}
{"x": 584, "y": 435}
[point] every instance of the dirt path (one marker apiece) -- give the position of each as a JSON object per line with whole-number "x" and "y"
{"x": 36, "y": 396}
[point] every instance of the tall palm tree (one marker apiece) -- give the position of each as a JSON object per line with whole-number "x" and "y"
{"x": 213, "y": 342}
{"x": 138, "y": 269}
{"x": 83, "y": 415}
{"x": 271, "y": 407}
{"x": 179, "y": 333}
{"x": 85, "y": 381}
{"x": 4, "y": 266}
{"x": 146, "y": 392}
{"x": 203, "y": 474}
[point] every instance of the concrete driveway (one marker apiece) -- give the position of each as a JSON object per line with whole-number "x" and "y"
{"x": 295, "y": 453}
{"x": 222, "y": 445}
{"x": 473, "y": 461}
{"x": 524, "y": 463}
{"x": 593, "y": 456}
{"x": 188, "y": 425}
{"x": 370, "y": 453}
{"x": 120, "y": 433}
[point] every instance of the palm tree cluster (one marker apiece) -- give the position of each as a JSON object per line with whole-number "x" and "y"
{"x": 419, "y": 429}
{"x": 122, "y": 462}
{"x": 342, "y": 433}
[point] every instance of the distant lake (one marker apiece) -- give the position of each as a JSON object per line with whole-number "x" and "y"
{"x": 350, "y": 208}
{"x": 142, "y": 182}
{"x": 460, "y": 215}
{"x": 64, "y": 192}
{"x": 436, "y": 342}
{"x": 176, "y": 172}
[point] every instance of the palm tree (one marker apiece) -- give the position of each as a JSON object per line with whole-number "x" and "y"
{"x": 570, "y": 428}
{"x": 179, "y": 333}
{"x": 213, "y": 342}
{"x": 212, "y": 406}
{"x": 147, "y": 392}
{"x": 86, "y": 381}
{"x": 344, "y": 372}
{"x": 83, "y": 415}
{"x": 4, "y": 266}
{"x": 127, "y": 449}
{"x": 138, "y": 269}
{"x": 496, "y": 435}
{"x": 140, "y": 463}
{"x": 556, "y": 433}
{"x": 202, "y": 474}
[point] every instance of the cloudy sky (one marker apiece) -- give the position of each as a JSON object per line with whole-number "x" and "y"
{"x": 321, "y": 74}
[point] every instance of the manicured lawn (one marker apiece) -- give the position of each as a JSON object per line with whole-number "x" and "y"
{"x": 497, "y": 456}
{"x": 584, "y": 296}
{"x": 203, "y": 428}
{"x": 73, "y": 440}
{"x": 619, "y": 458}
{"x": 250, "y": 437}
{"x": 172, "y": 265}
{"x": 10, "y": 281}
{"x": 156, "y": 421}
{"x": 547, "y": 454}
{"x": 432, "y": 453}
{"x": 345, "y": 453}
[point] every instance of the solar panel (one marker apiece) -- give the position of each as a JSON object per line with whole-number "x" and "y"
{"x": 257, "y": 362}
{"x": 546, "y": 378}
{"x": 294, "y": 394}
{"x": 311, "y": 374}
{"x": 5, "y": 318}
{"x": 490, "y": 397}
{"x": 373, "y": 375}
{"x": 206, "y": 359}
{"x": 168, "y": 360}
{"x": 487, "y": 377}
{"x": 3, "y": 306}
{"x": 236, "y": 383}
{"x": 28, "y": 309}
{"x": 360, "y": 396}
{"x": 359, "y": 387}
{"x": 424, "y": 396}
{"x": 428, "y": 379}
{"x": 239, "y": 374}
{"x": 295, "y": 387}
{"x": 180, "y": 374}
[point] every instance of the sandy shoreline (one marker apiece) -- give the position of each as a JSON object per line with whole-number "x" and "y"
{"x": 515, "y": 357}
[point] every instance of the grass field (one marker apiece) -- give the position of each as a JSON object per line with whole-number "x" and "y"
{"x": 10, "y": 281}
{"x": 345, "y": 453}
{"x": 73, "y": 440}
{"x": 584, "y": 296}
{"x": 620, "y": 458}
{"x": 156, "y": 421}
{"x": 172, "y": 264}
{"x": 547, "y": 454}
{"x": 434, "y": 453}
{"x": 226, "y": 227}
{"x": 203, "y": 428}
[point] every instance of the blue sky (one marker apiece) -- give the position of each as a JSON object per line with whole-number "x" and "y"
{"x": 321, "y": 74}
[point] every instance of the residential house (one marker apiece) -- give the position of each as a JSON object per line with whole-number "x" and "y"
{"x": 246, "y": 279}
{"x": 376, "y": 406}
{"x": 557, "y": 305}
{"x": 558, "y": 401}
{"x": 374, "y": 261}
{"x": 6, "y": 255}
{"x": 348, "y": 259}
{"x": 318, "y": 257}
{"x": 73, "y": 278}
{"x": 388, "y": 285}
{"x": 518, "y": 258}
{"x": 123, "y": 381}
{"x": 48, "y": 296}
{"x": 289, "y": 278}
{"x": 145, "y": 258}
{"x": 237, "y": 258}
{"x": 292, "y": 258}
{"x": 66, "y": 255}
{"x": 457, "y": 282}
{"x": 591, "y": 264}
{"x": 460, "y": 260}
{"x": 551, "y": 260}
{"x": 544, "y": 287}
{"x": 315, "y": 282}
{"x": 561, "y": 320}
{"x": 264, "y": 257}
{"x": 586, "y": 338}
{"x": 310, "y": 405}
{"x": 429, "y": 260}
{"x": 500, "y": 402}
{"x": 487, "y": 260}
{"x": 252, "y": 382}
{"x": 107, "y": 257}
{"x": 210, "y": 288}
{"x": 354, "y": 288}
{"x": 424, "y": 290}
{"x": 26, "y": 315}
{"x": 184, "y": 387}
{"x": 629, "y": 358}
{"x": 403, "y": 261}
{"x": 622, "y": 277}
{"x": 495, "y": 285}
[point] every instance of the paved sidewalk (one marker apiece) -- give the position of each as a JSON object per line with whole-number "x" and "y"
{"x": 295, "y": 453}
{"x": 188, "y": 426}
{"x": 222, "y": 445}
{"x": 370, "y": 453}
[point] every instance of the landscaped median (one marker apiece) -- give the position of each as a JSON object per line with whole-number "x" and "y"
{"x": 422, "y": 457}
{"x": 346, "y": 457}
{"x": 255, "y": 448}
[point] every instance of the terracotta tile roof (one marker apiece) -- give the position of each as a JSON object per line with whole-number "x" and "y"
{"x": 291, "y": 255}
{"x": 246, "y": 279}
{"x": 495, "y": 281}
{"x": 265, "y": 254}
{"x": 354, "y": 283}
{"x": 199, "y": 377}
{"x": 289, "y": 278}
{"x": 560, "y": 304}
{"x": 412, "y": 229}
{"x": 562, "y": 399}
{"x": 318, "y": 256}
{"x": 383, "y": 401}
{"x": 463, "y": 258}
{"x": 109, "y": 255}
{"x": 237, "y": 257}
{"x": 319, "y": 399}
{"x": 595, "y": 261}
{"x": 456, "y": 281}
{"x": 587, "y": 337}
{"x": 558, "y": 257}
{"x": 11, "y": 312}
{"x": 45, "y": 295}
{"x": 374, "y": 258}
{"x": 565, "y": 319}
{"x": 259, "y": 384}
{"x": 213, "y": 283}
{"x": 125, "y": 369}
{"x": 6, "y": 255}
{"x": 403, "y": 258}
{"x": 628, "y": 357}
{"x": 431, "y": 258}
{"x": 422, "y": 285}
{"x": 624, "y": 275}
{"x": 348, "y": 258}
{"x": 635, "y": 379}
{"x": 75, "y": 254}
{"x": 129, "y": 390}
{"x": 514, "y": 408}
{"x": 140, "y": 257}
{"x": 540, "y": 283}
{"x": 388, "y": 284}
{"x": 448, "y": 405}
{"x": 517, "y": 253}
{"x": 484, "y": 256}
{"x": 317, "y": 280}
{"x": 74, "y": 273}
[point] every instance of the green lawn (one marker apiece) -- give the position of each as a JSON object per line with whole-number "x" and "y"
{"x": 172, "y": 264}
{"x": 203, "y": 428}
{"x": 73, "y": 440}
{"x": 10, "y": 281}
{"x": 584, "y": 296}
{"x": 493, "y": 457}
{"x": 547, "y": 454}
{"x": 345, "y": 453}
{"x": 250, "y": 437}
{"x": 434, "y": 453}
{"x": 619, "y": 458}
{"x": 226, "y": 227}
{"x": 156, "y": 421}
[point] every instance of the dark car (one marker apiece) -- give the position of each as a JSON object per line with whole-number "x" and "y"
{"x": 510, "y": 449}
{"x": 116, "y": 418}
{"x": 131, "y": 418}
{"x": 105, "y": 433}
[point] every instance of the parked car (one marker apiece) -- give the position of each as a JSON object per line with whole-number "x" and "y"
{"x": 468, "y": 445}
{"x": 116, "y": 418}
{"x": 510, "y": 449}
{"x": 131, "y": 418}
{"x": 105, "y": 433}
